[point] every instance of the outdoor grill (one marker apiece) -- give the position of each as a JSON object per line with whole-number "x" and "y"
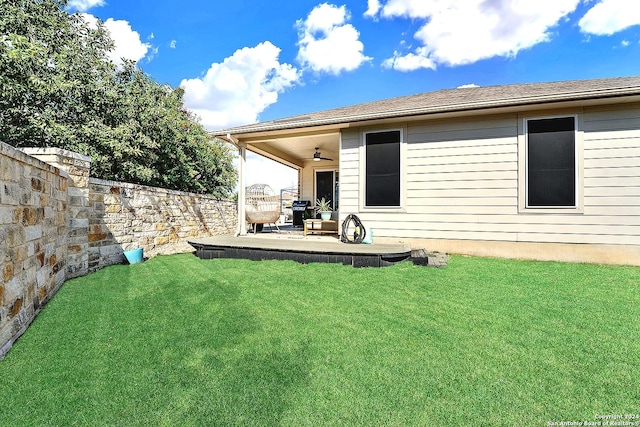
{"x": 299, "y": 207}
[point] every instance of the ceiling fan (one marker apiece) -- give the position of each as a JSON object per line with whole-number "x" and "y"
{"x": 317, "y": 156}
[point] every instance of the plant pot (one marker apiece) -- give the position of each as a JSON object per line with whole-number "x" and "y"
{"x": 326, "y": 216}
{"x": 134, "y": 256}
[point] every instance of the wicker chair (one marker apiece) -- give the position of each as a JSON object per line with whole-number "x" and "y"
{"x": 262, "y": 206}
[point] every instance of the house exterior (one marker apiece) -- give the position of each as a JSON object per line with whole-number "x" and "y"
{"x": 546, "y": 171}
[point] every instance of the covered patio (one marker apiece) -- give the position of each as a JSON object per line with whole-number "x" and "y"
{"x": 314, "y": 154}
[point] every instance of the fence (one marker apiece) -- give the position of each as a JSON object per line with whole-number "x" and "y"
{"x": 56, "y": 223}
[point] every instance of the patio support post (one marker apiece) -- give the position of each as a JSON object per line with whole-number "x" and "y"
{"x": 242, "y": 154}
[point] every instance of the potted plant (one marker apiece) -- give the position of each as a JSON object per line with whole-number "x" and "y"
{"x": 324, "y": 207}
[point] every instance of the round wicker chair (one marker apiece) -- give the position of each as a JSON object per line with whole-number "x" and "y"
{"x": 262, "y": 206}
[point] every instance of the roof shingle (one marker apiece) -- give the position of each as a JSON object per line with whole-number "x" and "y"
{"x": 449, "y": 100}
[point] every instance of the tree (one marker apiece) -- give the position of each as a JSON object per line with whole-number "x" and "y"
{"x": 58, "y": 88}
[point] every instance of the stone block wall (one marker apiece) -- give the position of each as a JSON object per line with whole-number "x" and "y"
{"x": 127, "y": 216}
{"x": 77, "y": 167}
{"x": 33, "y": 238}
{"x": 56, "y": 223}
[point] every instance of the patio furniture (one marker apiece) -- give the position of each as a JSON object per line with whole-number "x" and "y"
{"x": 262, "y": 206}
{"x": 320, "y": 226}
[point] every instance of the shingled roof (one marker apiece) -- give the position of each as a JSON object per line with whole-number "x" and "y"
{"x": 452, "y": 100}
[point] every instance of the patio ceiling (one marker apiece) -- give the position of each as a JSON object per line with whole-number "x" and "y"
{"x": 294, "y": 149}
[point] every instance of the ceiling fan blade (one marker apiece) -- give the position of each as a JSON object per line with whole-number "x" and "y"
{"x": 318, "y": 156}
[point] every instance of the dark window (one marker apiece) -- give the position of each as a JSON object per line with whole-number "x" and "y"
{"x": 551, "y": 161}
{"x": 382, "y": 181}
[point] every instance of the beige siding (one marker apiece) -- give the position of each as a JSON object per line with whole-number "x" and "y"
{"x": 349, "y": 173}
{"x": 612, "y": 172}
{"x": 461, "y": 180}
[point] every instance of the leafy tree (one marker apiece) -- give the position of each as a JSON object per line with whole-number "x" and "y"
{"x": 58, "y": 88}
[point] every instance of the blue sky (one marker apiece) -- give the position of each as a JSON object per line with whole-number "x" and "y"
{"x": 245, "y": 61}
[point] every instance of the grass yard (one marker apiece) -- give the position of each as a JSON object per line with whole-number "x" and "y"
{"x": 180, "y": 341}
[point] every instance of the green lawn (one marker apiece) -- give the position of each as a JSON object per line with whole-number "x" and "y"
{"x": 180, "y": 341}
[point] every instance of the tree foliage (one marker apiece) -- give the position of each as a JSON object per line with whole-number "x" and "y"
{"x": 59, "y": 89}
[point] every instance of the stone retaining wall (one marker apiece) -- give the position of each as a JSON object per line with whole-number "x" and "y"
{"x": 127, "y": 216}
{"x": 58, "y": 223}
{"x": 33, "y": 238}
{"x": 77, "y": 168}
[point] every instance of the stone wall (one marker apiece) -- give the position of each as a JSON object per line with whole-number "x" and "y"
{"x": 77, "y": 168}
{"x": 127, "y": 216}
{"x": 33, "y": 238}
{"x": 58, "y": 223}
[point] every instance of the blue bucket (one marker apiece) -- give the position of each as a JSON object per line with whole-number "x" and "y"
{"x": 134, "y": 256}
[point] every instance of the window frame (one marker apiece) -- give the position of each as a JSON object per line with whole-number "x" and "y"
{"x": 523, "y": 146}
{"x": 363, "y": 171}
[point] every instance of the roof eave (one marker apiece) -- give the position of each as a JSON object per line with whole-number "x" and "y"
{"x": 344, "y": 121}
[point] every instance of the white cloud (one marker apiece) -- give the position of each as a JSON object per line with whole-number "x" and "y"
{"x": 173, "y": 43}
{"x": 327, "y": 43}
{"x": 237, "y": 90}
{"x": 411, "y": 8}
{"x": 127, "y": 41}
{"x": 410, "y": 61}
{"x": 610, "y": 16}
{"x": 152, "y": 54}
{"x": 457, "y": 33}
{"x": 467, "y": 86}
{"x": 373, "y": 6}
{"x": 84, "y": 5}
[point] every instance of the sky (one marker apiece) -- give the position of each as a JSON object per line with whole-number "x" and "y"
{"x": 245, "y": 61}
